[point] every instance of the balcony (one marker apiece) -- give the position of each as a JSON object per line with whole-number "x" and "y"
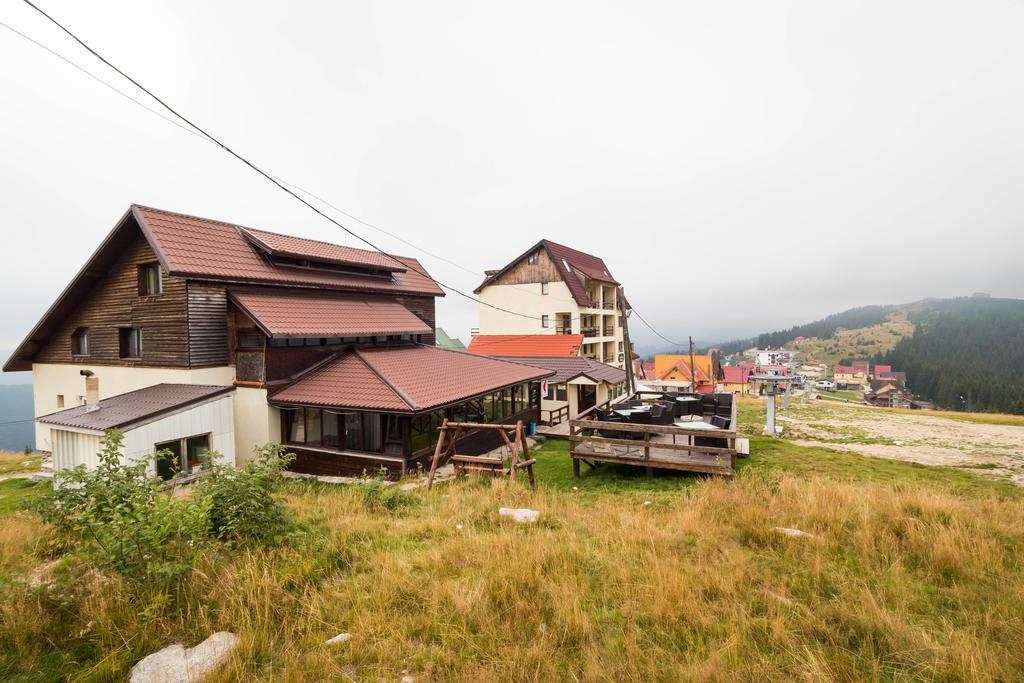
{"x": 608, "y": 305}
{"x": 590, "y": 331}
{"x": 609, "y": 330}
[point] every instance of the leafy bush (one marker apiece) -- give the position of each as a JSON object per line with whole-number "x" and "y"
{"x": 381, "y": 495}
{"x": 120, "y": 517}
{"x": 239, "y": 501}
{"x": 117, "y": 516}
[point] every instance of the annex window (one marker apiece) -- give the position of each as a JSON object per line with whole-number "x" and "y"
{"x": 60, "y": 400}
{"x": 338, "y": 430}
{"x": 150, "y": 280}
{"x": 182, "y": 456}
{"x": 130, "y": 342}
{"x": 545, "y": 288}
{"x": 80, "y": 342}
{"x": 544, "y": 321}
{"x": 249, "y": 340}
{"x": 533, "y": 259}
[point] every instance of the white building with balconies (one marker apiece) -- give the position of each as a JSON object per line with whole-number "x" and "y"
{"x": 553, "y": 289}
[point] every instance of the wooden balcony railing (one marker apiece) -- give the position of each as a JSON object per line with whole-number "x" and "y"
{"x": 550, "y": 418}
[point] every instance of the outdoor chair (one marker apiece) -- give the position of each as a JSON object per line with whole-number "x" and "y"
{"x": 720, "y": 422}
{"x": 611, "y": 433}
{"x": 724, "y": 405}
{"x": 708, "y": 403}
{"x": 639, "y": 419}
{"x": 660, "y": 415}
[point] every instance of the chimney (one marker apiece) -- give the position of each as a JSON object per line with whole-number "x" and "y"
{"x": 92, "y": 391}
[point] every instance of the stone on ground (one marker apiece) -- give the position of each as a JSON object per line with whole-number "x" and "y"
{"x": 520, "y": 515}
{"x": 340, "y": 638}
{"x": 793, "y": 533}
{"x": 176, "y": 664}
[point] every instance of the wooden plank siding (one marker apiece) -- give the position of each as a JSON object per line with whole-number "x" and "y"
{"x": 525, "y": 273}
{"x": 207, "y": 324}
{"x": 424, "y": 307}
{"x": 113, "y": 303}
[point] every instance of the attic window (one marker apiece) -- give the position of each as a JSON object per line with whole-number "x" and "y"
{"x": 533, "y": 259}
{"x": 150, "y": 280}
{"x": 80, "y": 342}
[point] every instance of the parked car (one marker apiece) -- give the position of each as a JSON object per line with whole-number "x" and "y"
{"x": 825, "y": 385}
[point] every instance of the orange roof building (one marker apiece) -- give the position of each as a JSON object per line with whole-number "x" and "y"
{"x": 526, "y": 344}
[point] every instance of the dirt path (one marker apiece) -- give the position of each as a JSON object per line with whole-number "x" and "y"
{"x": 990, "y": 450}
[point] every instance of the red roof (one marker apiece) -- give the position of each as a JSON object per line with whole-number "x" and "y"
{"x": 526, "y": 344}
{"x": 860, "y": 366}
{"x": 568, "y": 368}
{"x": 879, "y": 369}
{"x": 566, "y": 259}
{"x": 735, "y": 374}
{"x": 406, "y": 379}
{"x": 301, "y": 313}
{"x": 201, "y": 248}
{"x": 299, "y": 247}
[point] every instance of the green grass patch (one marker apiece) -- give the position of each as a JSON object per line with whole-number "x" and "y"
{"x": 19, "y": 462}
{"x": 14, "y": 491}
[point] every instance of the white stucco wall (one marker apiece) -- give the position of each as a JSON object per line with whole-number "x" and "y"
{"x": 52, "y": 379}
{"x": 528, "y": 300}
{"x": 256, "y": 423}
{"x": 73, "y": 447}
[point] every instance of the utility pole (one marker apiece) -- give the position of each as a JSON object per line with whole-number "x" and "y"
{"x": 628, "y": 352}
{"x": 693, "y": 370}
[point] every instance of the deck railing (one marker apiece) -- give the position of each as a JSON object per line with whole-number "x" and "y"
{"x": 555, "y": 416}
{"x": 585, "y": 441}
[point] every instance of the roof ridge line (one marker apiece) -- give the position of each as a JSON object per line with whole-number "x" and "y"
{"x": 380, "y": 375}
{"x": 239, "y": 226}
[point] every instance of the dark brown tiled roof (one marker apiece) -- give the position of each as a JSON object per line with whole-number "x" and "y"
{"x": 125, "y": 410}
{"x": 207, "y": 249}
{"x": 403, "y": 379}
{"x": 566, "y": 259}
{"x": 295, "y": 313}
{"x": 567, "y": 368}
{"x": 526, "y": 344}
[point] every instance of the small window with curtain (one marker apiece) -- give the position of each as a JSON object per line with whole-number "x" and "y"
{"x": 545, "y": 288}
{"x": 544, "y": 321}
{"x": 130, "y": 342}
{"x": 80, "y": 342}
{"x": 150, "y": 281}
{"x": 533, "y": 259}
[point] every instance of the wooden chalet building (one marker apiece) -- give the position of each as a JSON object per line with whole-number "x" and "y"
{"x": 328, "y": 349}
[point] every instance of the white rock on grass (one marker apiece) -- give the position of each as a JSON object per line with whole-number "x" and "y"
{"x": 793, "y": 533}
{"x": 176, "y": 664}
{"x": 520, "y": 515}
{"x": 338, "y": 639}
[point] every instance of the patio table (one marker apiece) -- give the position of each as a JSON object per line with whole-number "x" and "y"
{"x": 697, "y": 425}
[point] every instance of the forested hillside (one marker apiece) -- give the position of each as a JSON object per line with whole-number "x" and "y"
{"x": 966, "y": 354}
{"x": 863, "y": 316}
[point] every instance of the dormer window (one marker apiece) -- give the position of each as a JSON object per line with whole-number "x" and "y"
{"x": 80, "y": 342}
{"x": 150, "y": 280}
{"x": 533, "y": 259}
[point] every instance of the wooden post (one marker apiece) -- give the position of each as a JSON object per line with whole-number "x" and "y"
{"x": 437, "y": 452}
{"x": 647, "y": 454}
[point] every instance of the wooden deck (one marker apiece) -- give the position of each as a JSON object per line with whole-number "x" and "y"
{"x": 656, "y": 446}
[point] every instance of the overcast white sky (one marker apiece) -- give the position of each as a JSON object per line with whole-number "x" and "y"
{"x": 741, "y": 166}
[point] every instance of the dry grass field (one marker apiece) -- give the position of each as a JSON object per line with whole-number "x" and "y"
{"x": 912, "y": 573}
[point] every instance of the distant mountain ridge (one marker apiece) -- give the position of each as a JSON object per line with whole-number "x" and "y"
{"x": 961, "y": 353}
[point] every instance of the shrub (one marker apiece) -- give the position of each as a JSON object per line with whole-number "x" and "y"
{"x": 381, "y": 495}
{"x": 117, "y": 516}
{"x": 239, "y": 501}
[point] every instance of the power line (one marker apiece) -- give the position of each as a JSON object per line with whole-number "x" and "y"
{"x": 280, "y": 183}
{"x": 266, "y": 175}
